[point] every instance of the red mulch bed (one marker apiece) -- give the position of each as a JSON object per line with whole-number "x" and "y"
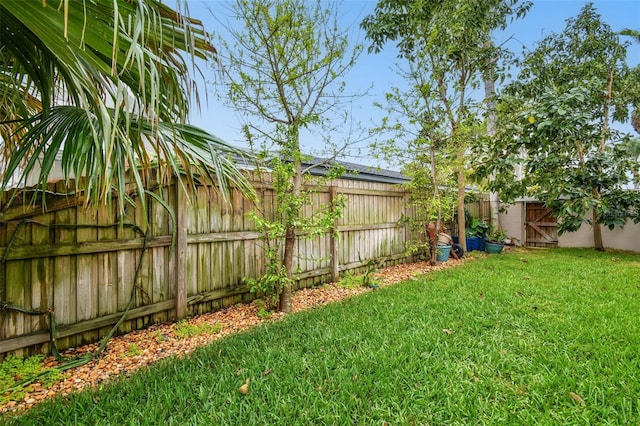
{"x": 160, "y": 341}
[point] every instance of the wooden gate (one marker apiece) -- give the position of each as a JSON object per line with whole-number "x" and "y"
{"x": 540, "y": 226}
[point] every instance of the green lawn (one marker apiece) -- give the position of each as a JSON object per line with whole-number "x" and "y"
{"x": 536, "y": 337}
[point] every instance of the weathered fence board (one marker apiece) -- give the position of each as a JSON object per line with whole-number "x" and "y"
{"x": 60, "y": 260}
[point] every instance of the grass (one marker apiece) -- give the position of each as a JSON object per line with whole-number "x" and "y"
{"x": 184, "y": 329}
{"x": 536, "y": 337}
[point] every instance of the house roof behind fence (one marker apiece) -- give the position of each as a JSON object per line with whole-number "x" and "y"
{"x": 355, "y": 171}
{"x": 321, "y": 167}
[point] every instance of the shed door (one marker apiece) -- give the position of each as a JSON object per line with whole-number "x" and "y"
{"x": 540, "y": 226}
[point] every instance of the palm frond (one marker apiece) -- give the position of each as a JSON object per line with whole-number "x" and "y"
{"x": 105, "y": 86}
{"x": 108, "y": 162}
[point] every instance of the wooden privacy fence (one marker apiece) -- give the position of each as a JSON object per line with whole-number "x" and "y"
{"x": 83, "y": 267}
{"x": 480, "y": 208}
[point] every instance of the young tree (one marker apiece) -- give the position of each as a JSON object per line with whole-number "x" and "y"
{"x": 418, "y": 145}
{"x": 105, "y": 87}
{"x": 557, "y": 122}
{"x": 286, "y": 71}
{"x": 451, "y": 41}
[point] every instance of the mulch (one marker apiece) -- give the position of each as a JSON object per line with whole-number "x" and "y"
{"x": 161, "y": 341}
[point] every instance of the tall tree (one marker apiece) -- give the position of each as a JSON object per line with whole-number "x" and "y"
{"x": 104, "y": 87}
{"x": 286, "y": 70}
{"x": 557, "y": 121}
{"x": 451, "y": 40}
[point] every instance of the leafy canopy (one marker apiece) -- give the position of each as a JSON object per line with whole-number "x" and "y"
{"x": 448, "y": 43}
{"x": 556, "y": 125}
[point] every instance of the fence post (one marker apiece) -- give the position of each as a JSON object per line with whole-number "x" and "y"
{"x": 406, "y": 211}
{"x": 181, "y": 250}
{"x": 333, "y": 240}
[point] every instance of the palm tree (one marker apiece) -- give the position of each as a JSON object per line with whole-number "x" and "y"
{"x": 104, "y": 87}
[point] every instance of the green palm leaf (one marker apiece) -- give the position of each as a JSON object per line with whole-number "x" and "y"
{"x": 104, "y": 86}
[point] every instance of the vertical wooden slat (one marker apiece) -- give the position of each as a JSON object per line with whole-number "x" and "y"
{"x": 107, "y": 265}
{"x": 248, "y": 247}
{"x": 238, "y": 226}
{"x": 171, "y": 252}
{"x": 191, "y": 257}
{"x": 143, "y": 279}
{"x": 64, "y": 292}
{"x": 42, "y": 274}
{"x": 126, "y": 265}
{"x": 17, "y": 282}
{"x": 333, "y": 239}
{"x": 203, "y": 250}
{"x": 226, "y": 252}
{"x": 159, "y": 278}
{"x": 87, "y": 272}
{"x": 181, "y": 254}
{"x": 215, "y": 224}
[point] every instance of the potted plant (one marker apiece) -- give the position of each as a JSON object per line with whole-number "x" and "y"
{"x": 476, "y": 234}
{"x": 481, "y": 227}
{"x": 495, "y": 240}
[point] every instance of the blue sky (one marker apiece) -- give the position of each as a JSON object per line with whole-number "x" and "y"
{"x": 376, "y": 71}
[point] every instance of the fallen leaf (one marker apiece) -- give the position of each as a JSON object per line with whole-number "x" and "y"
{"x": 577, "y": 398}
{"x": 244, "y": 389}
{"x": 266, "y": 372}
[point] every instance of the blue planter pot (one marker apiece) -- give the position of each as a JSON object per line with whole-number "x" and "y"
{"x": 443, "y": 253}
{"x": 482, "y": 243}
{"x": 475, "y": 243}
{"x": 494, "y": 248}
{"x": 469, "y": 244}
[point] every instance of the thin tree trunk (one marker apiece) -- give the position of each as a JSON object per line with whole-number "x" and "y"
{"x": 607, "y": 107}
{"x": 290, "y": 239}
{"x": 436, "y": 196}
{"x": 442, "y": 90}
{"x": 597, "y": 234}
{"x": 489, "y": 97}
{"x": 597, "y": 228}
{"x": 285, "y": 292}
{"x": 462, "y": 234}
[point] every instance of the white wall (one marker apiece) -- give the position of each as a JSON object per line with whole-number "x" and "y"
{"x": 627, "y": 238}
{"x": 512, "y": 222}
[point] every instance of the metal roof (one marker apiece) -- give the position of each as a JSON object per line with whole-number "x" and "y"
{"x": 321, "y": 166}
{"x": 354, "y": 171}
